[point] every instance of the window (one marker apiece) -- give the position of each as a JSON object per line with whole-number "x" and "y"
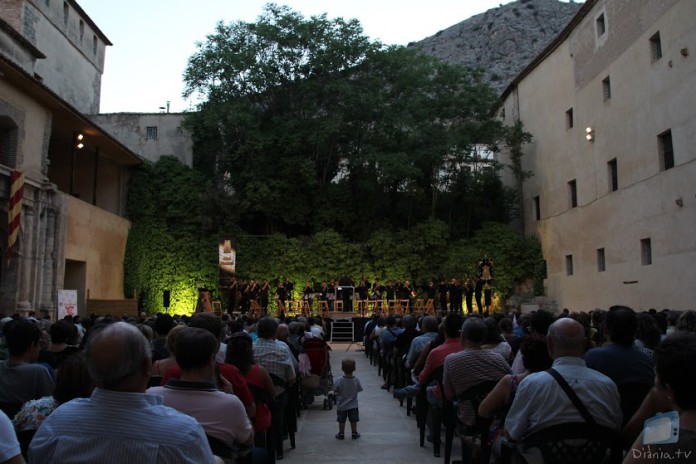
{"x": 8, "y": 142}
{"x": 82, "y": 30}
{"x": 601, "y": 25}
{"x": 151, "y": 133}
{"x": 569, "y": 265}
{"x": 66, "y": 13}
{"x": 94, "y": 45}
{"x": 664, "y": 141}
{"x": 537, "y": 209}
{"x": 606, "y": 88}
{"x": 573, "y": 193}
{"x": 655, "y": 47}
{"x": 645, "y": 252}
{"x": 601, "y": 265}
{"x": 569, "y": 119}
{"x": 613, "y": 172}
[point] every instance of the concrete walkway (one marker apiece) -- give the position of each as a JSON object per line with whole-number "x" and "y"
{"x": 387, "y": 434}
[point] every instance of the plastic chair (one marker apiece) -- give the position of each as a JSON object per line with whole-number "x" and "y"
{"x": 479, "y": 430}
{"x": 571, "y": 443}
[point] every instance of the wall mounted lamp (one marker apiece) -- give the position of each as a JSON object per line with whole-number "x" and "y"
{"x": 589, "y": 134}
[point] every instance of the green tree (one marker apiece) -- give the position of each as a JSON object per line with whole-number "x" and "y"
{"x": 306, "y": 125}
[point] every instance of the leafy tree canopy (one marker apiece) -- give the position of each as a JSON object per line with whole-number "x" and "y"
{"x": 306, "y": 124}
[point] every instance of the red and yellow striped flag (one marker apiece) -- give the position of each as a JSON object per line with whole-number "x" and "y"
{"x": 14, "y": 216}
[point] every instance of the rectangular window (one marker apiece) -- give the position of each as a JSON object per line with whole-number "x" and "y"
{"x": 573, "y": 193}
{"x": 664, "y": 141}
{"x": 537, "y": 209}
{"x": 655, "y": 47}
{"x": 606, "y": 88}
{"x": 94, "y": 45}
{"x": 645, "y": 252}
{"x": 66, "y": 13}
{"x": 601, "y": 266}
{"x": 601, "y": 25}
{"x": 569, "y": 265}
{"x": 613, "y": 171}
{"x": 569, "y": 119}
{"x": 82, "y": 30}
{"x": 151, "y": 133}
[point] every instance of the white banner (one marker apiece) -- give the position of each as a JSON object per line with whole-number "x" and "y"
{"x": 67, "y": 303}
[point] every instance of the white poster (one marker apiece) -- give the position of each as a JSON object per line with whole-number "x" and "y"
{"x": 67, "y": 303}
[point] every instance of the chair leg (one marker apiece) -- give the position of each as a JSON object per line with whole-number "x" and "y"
{"x": 449, "y": 437}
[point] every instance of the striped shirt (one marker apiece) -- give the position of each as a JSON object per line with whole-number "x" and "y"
{"x": 276, "y": 359}
{"x": 469, "y": 368}
{"x": 118, "y": 427}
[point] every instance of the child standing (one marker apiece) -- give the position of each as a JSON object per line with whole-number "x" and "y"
{"x": 346, "y": 388}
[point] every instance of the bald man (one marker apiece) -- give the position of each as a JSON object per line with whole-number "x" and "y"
{"x": 540, "y": 401}
{"x": 119, "y": 422}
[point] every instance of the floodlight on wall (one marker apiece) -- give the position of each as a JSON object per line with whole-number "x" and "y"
{"x": 590, "y": 134}
{"x": 79, "y": 137}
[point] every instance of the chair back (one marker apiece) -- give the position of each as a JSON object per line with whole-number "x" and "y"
{"x": 573, "y": 443}
{"x": 632, "y": 396}
{"x": 11, "y": 409}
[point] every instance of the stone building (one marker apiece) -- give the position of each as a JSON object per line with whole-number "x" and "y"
{"x": 73, "y": 230}
{"x": 150, "y": 135}
{"x": 612, "y": 109}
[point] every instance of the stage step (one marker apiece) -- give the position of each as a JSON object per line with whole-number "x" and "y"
{"x": 342, "y": 330}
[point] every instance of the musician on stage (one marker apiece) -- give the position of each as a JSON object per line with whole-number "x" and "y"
{"x": 232, "y": 297}
{"x": 469, "y": 294}
{"x": 263, "y": 295}
{"x": 377, "y": 290}
{"x": 389, "y": 291}
{"x": 308, "y": 294}
{"x": 430, "y": 291}
{"x": 456, "y": 292}
{"x": 443, "y": 290}
{"x": 282, "y": 295}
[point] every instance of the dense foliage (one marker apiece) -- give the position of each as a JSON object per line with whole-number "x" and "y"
{"x": 306, "y": 125}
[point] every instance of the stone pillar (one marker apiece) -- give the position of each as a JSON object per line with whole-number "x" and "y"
{"x": 26, "y": 255}
{"x": 48, "y": 285}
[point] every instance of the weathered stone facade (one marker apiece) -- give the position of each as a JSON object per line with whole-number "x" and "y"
{"x": 615, "y": 213}
{"x": 73, "y": 232}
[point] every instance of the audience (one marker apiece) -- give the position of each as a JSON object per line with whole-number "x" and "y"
{"x": 72, "y": 381}
{"x": 10, "y": 452}
{"x": 160, "y": 366}
{"x": 63, "y": 337}
{"x": 618, "y": 359}
{"x": 119, "y": 423}
{"x": 220, "y": 412}
{"x": 675, "y": 378}
{"x": 495, "y": 341}
{"x": 429, "y": 328}
{"x": 471, "y": 366}
{"x": 540, "y": 402}
{"x": 21, "y": 379}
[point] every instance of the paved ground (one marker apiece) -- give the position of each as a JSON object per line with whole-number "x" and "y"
{"x": 387, "y": 434}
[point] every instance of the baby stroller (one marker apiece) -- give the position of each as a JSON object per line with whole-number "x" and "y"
{"x": 319, "y": 381}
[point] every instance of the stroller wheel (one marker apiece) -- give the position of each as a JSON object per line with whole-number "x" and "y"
{"x": 326, "y": 404}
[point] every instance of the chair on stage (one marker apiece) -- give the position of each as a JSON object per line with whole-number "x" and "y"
{"x": 405, "y": 306}
{"x": 323, "y": 308}
{"x": 429, "y": 308}
{"x": 418, "y": 305}
{"x": 338, "y": 306}
{"x": 254, "y": 309}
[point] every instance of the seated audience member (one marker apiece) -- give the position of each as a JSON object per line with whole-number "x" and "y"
{"x": 240, "y": 354}
{"x": 471, "y": 366}
{"x": 21, "y": 379}
{"x": 404, "y": 341}
{"x": 221, "y": 413}
{"x": 495, "y": 341}
{"x": 159, "y": 367}
{"x": 648, "y": 335}
{"x": 507, "y": 330}
{"x": 675, "y": 378}
{"x": 540, "y": 401}
{"x": 119, "y": 423}
{"x": 162, "y": 325}
{"x": 537, "y": 322}
{"x": 686, "y": 322}
{"x": 213, "y": 325}
{"x": 10, "y": 452}
{"x": 63, "y": 338}
{"x": 274, "y": 357}
{"x": 429, "y": 328}
{"x": 618, "y": 359}
{"x": 72, "y": 381}
{"x": 535, "y": 357}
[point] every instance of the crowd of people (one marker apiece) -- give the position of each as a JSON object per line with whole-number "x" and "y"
{"x": 207, "y": 388}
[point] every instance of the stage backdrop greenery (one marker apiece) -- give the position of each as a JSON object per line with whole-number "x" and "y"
{"x": 172, "y": 246}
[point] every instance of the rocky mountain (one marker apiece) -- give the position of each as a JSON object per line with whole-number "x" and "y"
{"x": 503, "y": 40}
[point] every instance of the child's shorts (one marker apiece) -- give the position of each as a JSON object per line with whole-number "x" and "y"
{"x": 351, "y": 414}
